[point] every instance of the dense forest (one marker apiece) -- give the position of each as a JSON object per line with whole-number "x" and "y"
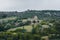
{"x": 42, "y": 14}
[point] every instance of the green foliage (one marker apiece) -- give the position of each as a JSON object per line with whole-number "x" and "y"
{"x": 35, "y": 34}
{"x": 44, "y": 23}
{"x": 20, "y": 30}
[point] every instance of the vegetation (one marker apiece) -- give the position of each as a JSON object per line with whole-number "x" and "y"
{"x": 20, "y": 28}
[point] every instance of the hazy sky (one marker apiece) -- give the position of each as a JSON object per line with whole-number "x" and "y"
{"x": 21, "y": 5}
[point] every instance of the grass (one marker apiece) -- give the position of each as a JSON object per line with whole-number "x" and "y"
{"x": 28, "y": 28}
{"x": 8, "y": 18}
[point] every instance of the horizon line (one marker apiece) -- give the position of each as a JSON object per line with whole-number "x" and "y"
{"x": 29, "y": 10}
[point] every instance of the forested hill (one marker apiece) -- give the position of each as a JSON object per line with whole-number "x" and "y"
{"x": 42, "y": 14}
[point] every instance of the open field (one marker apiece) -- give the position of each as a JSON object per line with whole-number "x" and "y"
{"x": 28, "y": 28}
{"x": 8, "y": 18}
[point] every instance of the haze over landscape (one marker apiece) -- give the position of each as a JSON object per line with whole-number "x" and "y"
{"x": 22, "y": 5}
{"x": 29, "y": 19}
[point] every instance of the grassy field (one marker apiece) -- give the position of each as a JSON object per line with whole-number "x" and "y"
{"x": 28, "y": 28}
{"x": 8, "y": 18}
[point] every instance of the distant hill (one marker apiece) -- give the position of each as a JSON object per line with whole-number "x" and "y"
{"x": 42, "y": 14}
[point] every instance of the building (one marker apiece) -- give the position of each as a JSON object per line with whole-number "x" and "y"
{"x": 34, "y": 20}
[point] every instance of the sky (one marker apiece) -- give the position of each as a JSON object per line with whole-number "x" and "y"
{"x": 22, "y": 5}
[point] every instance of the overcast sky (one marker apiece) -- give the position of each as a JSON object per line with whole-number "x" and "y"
{"x": 21, "y": 5}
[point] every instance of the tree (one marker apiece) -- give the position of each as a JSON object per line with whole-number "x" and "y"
{"x": 57, "y": 26}
{"x": 33, "y": 29}
{"x": 36, "y": 37}
{"x": 4, "y": 16}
